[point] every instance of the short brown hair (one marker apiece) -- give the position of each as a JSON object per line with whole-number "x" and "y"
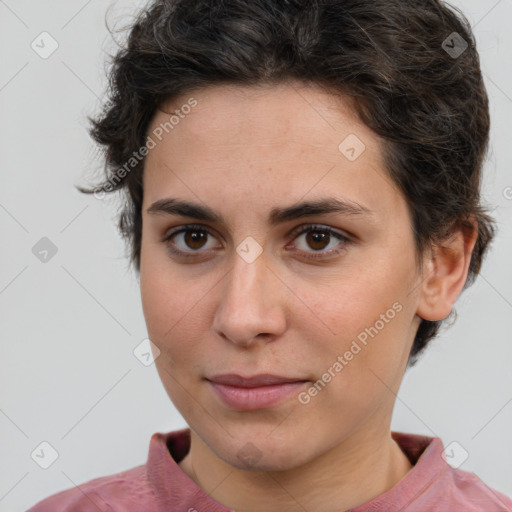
{"x": 411, "y": 67}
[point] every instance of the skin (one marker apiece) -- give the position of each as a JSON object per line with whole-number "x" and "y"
{"x": 243, "y": 151}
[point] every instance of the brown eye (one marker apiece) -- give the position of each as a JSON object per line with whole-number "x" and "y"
{"x": 195, "y": 239}
{"x": 318, "y": 239}
{"x": 189, "y": 241}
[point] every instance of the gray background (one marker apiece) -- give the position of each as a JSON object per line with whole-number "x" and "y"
{"x": 69, "y": 326}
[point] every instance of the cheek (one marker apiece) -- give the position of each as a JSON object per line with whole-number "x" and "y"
{"x": 364, "y": 316}
{"x": 359, "y": 369}
{"x": 169, "y": 317}
{"x": 168, "y": 308}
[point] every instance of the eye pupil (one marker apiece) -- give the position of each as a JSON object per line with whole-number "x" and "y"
{"x": 194, "y": 237}
{"x": 315, "y": 237}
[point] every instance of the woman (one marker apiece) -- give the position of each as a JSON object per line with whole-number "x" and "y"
{"x": 302, "y": 204}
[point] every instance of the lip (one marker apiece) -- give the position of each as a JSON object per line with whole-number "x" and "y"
{"x": 256, "y": 392}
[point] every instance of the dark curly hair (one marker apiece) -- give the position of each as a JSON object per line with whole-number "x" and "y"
{"x": 410, "y": 66}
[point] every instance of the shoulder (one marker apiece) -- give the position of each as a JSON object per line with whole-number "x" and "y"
{"x": 159, "y": 480}
{"x": 433, "y": 484}
{"x": 465, "y": 489}
{"x": 126, "y": 491}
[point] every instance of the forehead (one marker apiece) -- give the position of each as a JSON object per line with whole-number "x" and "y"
{"x": 273, "y": 113}
{"x": 271, "y": 140}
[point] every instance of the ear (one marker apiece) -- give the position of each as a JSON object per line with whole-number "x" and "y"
{"x": 445, "y": 271}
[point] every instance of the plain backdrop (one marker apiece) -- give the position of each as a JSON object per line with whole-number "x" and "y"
{"x": 69, "y": 326}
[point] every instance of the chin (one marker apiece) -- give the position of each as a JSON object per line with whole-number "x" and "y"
{"x": 264, "y": 456}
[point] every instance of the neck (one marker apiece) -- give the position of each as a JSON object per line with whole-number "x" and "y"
{"x": 352, "y": 473}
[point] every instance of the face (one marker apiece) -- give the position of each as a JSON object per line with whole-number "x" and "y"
{"x": 326, "y": 298}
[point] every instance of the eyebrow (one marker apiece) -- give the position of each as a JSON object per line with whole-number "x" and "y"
{"x": 172, "y": 206}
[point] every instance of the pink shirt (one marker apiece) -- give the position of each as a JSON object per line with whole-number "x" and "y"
{"x": 161, "y": 486}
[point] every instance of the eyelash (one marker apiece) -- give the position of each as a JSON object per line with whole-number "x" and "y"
{"x": 295, "y": 233}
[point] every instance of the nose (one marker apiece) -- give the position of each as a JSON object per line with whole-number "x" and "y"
{"x": 252, "y": 305}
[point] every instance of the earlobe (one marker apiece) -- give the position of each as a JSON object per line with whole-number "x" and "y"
{"x": 444, "y": 273}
